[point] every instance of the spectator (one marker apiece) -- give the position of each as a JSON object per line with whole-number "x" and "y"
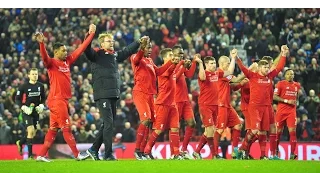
{"x": 128, "y": 134}
{"x": 5, "y": 132}
{"x": 312, "y": 104}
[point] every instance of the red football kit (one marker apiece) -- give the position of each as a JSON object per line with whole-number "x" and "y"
{"x": 208, "y": 98}
{"x": 286, "y": 113}
{"x": 60, "y": 83}
{"x": 260, "y": 87}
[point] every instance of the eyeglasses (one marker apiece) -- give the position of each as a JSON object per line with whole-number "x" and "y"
{"x": 110, "y": 41}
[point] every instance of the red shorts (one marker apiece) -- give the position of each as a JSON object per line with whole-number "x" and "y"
{"x": 185, "y": 110}
{"x": 247, "y": 121}
{"x": 271, "y": 114}
{"x": 144, "y": 104}
{"x": 166, "y": 116}
{"x": 227, "y": 117}
{"x": 286, "y": 118}
{"x": 259, "y": 117}
{"x": 59, "y": 113}
{"x": 208, "y": 114}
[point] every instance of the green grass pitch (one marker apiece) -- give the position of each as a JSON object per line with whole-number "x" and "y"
{"x": 160, "y": 166}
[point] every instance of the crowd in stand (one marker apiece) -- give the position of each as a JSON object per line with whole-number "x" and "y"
{"x": 210, "y": 32}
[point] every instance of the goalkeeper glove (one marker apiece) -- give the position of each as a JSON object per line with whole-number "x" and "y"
{"x": 27, "y": 110}
{"x": 40, "y": 108}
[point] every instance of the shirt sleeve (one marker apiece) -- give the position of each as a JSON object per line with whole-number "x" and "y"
{"x": 47, "y": 61}
{"x": 277, "y": 89}
{"x": 244, "y": 69}
{"x": 135, "y": 58}
{"x": 75, "y": 54}
{"x": 190, "y": 72}
{"x": 19, "y": 95}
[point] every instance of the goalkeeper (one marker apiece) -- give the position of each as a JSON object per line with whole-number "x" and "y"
{"x": 30, "y": 97}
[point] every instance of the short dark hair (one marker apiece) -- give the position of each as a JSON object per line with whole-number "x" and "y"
{"x": 285, "y": 72}
{"x": 267, "y": 58}
{"x": 208, "y": 58}
{"x": 57, "y": 45}
{"x": 32, "y": 69}
{"x": 263, "y": 62}
{"x": 176, "y": 47}
{"x": 164, "y": 52}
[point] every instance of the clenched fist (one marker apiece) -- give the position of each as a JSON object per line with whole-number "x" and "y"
{"x": 92, "y": 28}
{"x": 39, "y": 37}
{"x": 284, "y": 50}
{"x": 187, "y": 64}
{"x": 197, "y": 58}
{"x": 234, "y": 53}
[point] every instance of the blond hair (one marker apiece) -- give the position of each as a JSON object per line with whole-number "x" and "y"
{"x": 104, "y": 35}
{"x": 263, "y": 62}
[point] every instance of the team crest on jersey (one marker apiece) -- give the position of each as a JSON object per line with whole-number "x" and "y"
{"x": 263, "y": 81}
{"x": 39, "y": 88}
{"x": 213, "y": 78}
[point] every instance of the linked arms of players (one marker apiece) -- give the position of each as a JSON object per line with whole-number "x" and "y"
{"x": 234, "y": 55}
{"x": 202, "y": 73}
{"x": 87, "y": 42}
{"x": 240, "y": 77}
{"x": 136, "y": 58}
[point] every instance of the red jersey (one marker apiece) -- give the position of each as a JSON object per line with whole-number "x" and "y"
{"x": 167, "y": 87}
{"x": 260, "y": 86}
{"x": 209, "y": 89}
{"x": 245, "y": 96}
{"x": 224, "y": 89}
{"x": 145, "y": 72}
{"x": 181, "y": 74}
{"x": 287, "y": 90}
{"x": 59, "y": 71}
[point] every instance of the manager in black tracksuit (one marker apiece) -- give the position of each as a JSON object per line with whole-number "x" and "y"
{"x": 106, "y": 88}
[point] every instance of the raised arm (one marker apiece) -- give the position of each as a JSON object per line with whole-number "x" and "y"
{"x": 202, "y": 73}
{"x": 233, "y": 54}
{"x": 180, "y": 69}
{"x": 252, "y": 67}
{"x": 282, "y": 61}
{"x": 190, "y": 72}
{"x": 130, "y": 49}
{"x": 43, "y": 52}
{"x": 172, "y": 68}
{"x": 244, "y": 69}
{"x": 87, "y": 43}
{"x": 135, "y": 58}
{"x": 160, "y": 70}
